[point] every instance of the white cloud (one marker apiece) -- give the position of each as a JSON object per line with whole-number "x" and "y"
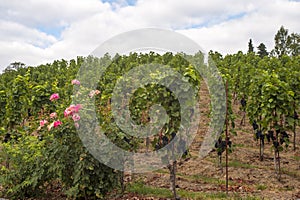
{"x": 14, "y": 32}
{"x": 49, "y": 12}
{"x": 260, "y": 25}
{"x": 21, "y": 52}
{"x": 175, "y": 14}
{"x": 222, "y": 25}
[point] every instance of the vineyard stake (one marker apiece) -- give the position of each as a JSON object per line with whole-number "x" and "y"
{"x": 294, "y": 145}
{"x": 226, "y": 121}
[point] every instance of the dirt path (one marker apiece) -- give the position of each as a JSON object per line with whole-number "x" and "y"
{"x": 248, "y": 176}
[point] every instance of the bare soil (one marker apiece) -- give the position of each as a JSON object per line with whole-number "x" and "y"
{"x": 248, "y": 176}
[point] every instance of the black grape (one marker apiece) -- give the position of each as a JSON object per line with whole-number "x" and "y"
{"x": 173, "y": 135}
{"x": 221, "y": 145}
{"x": 254, "y": 125}
{"x": 243, "y": 102}
{"x": 283, "y": 137}
{"x": 296, "y": 115}
{"x": 270, "y": 136}
{"x": 6, "y": 137}
{"x": 127, "y": 140}
{"x": 165, "y": 140}
{"x": 157, "y": 147}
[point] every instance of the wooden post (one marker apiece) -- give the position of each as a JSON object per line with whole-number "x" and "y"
{"x": 294, "y": 134}
{"x": 226, "y": 123}
{"x": 295, "y": 114}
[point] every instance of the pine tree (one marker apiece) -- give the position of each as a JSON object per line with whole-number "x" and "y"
{"x": 250, "y": 46}
{"x": 262, "y": 50}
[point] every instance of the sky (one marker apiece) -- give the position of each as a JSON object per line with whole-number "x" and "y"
{"x": 40, "y": 31}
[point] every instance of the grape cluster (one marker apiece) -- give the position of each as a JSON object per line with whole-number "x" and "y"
{"x": 220, "y": 145}
{"x": 282, "y": 136}
{"x": 296, "y": 115}
{"x": 259, "y": 135}
{"x": 243, "y": 102}
{"x": 181, "y": 147}
{"x": 6, "y": 137}
{"x": 254, "y": 125}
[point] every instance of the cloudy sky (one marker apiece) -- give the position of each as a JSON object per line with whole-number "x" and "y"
{"x": 39, "y": 31}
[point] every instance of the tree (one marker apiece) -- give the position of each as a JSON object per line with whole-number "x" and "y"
{"x": 293, "y": 42}
{"x": 14, "y": 66}
{"x": 281, "y": 42}
{"x": 216, "y": 56}
{"x": 250, "y": 46}
{"x": 262, "y": 50}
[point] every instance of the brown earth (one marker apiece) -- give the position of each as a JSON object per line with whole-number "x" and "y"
{"x": 248, "y": 176}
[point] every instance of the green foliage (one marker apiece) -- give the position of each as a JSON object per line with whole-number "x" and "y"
{"x": 82, "y": 175}
{"x": 24, "y": 176}
{"x": 262, "y": 50}
{"x": 250, "y": 46}
{"x": 270, "y": 86}
{"x": 261, "y": 187}
{"x": 36, "y": 156}
{"x": 144, "y": 97}
{"x": 286, "y": 44}
{"x": 281, "y": 43}
{"x": 294, "y": 44}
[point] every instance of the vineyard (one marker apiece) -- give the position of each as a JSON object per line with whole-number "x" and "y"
{"x": 257, "y": 155}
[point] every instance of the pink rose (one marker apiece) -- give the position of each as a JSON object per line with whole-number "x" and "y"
{"x": 75, "y": 82}
{"x": 54, "y": 96}
{"x": 76, "y": 117}
{"x": 57, "y": 123}
{"x": 97, "y": 92}
{"x": 43, "y": 122}
{"x": 67, "y": 112}
{"x": 72, "y": 109}
{"x": 92, "y": 93}
{"x": 77, "y": 108}
{"x": 76, "y": 125}
{"x": 53, "y": 115}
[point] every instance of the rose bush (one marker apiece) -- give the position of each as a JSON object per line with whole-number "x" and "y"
{"x": 43, "y": 146}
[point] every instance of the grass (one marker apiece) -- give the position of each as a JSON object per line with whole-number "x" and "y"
{"x": 235, "y": 163}
{"x": 144, "y": 190}
{"x": 205, "y": 179}
{"x": 249, "y": 198}
{"x": 238, "y": 164}
{"x": 297, "y": 158}
{"x": 288, "y": 188}
{"x": 291, "y": 173}
{"x": 261, "y": 187}
{"x": 238, "y": 145}
{"x": 195, "y": 177}
{"x": 202, "y": 195}
{"x": 162, "y": 171}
